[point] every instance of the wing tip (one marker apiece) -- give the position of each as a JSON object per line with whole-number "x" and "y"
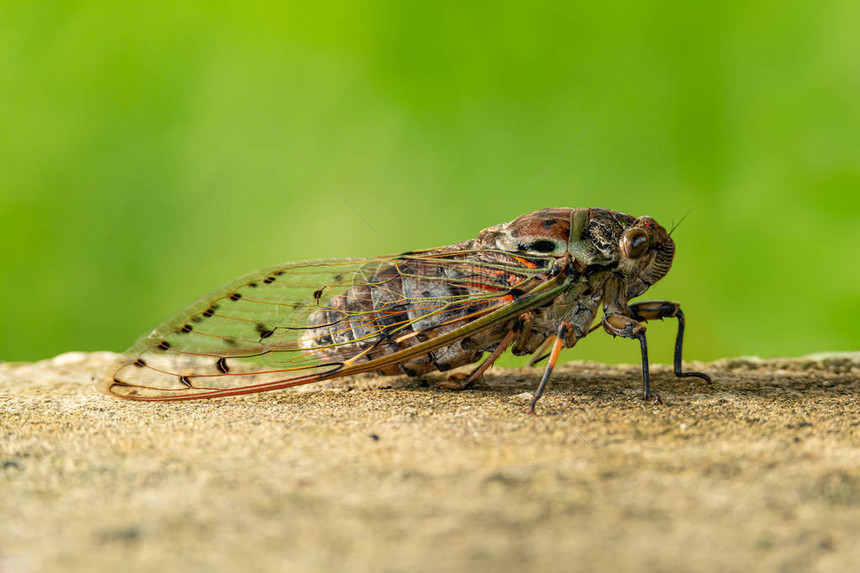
{"x": 109, "y": 380}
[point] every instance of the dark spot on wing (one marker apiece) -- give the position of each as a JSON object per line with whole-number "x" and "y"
{"x": 264, "y": 331}
{"x": 230, "y": 341}
{"x": 196, "y": 319}
{"x": 139, "y": 363}
{"x": 549, "y": 223}
{"x": 185, "y": 381}
{"x": 163, "y": 345}
{"x": 186, "y": 328}
{"x": 221, "y": 365}
{"x": 318, "y": 293}
{"x": 235, "y": 296}
{"x": 252, "y": 285}
{"x": 269, "y": 280}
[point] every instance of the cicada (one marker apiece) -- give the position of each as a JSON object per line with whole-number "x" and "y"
{"x": 533, "y": 285}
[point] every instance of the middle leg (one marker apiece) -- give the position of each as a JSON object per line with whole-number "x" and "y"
{"x": 620, "y": 325}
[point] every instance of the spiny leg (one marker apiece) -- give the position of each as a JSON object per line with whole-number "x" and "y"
{"x": 453, "y": 383}
{"x": 620, "y": 325}
{"x": 660, "y": 309}
{"x": 557, "y": 345}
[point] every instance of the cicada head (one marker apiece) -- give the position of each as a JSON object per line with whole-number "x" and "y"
{"x": 646, "y": 253}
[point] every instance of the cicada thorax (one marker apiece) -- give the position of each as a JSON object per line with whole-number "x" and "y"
{"x": 544, "y": 232}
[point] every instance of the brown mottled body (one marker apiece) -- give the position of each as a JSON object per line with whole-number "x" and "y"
{"x": 522, "y": 285}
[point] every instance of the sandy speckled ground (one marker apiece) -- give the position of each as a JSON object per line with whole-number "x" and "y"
{"x": 759, "y": 471}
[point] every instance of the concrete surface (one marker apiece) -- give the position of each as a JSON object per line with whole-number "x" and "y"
{"x": 758, "y": 471}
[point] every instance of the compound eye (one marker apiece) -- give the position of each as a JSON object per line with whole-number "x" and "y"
{"x": 634, "y": 243}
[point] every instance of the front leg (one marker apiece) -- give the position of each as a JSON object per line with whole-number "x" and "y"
{"x": 660, "y": 309}
{"x": 620, "y": 325}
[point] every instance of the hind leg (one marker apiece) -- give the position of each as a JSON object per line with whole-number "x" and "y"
{"x": 463, "y": 381}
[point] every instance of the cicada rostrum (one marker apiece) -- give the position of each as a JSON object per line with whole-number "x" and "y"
{"x": 532, "y": 285}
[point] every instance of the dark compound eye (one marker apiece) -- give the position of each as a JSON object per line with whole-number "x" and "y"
{"x": 634, "y": 243}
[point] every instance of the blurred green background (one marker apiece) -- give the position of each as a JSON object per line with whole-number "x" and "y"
{"x": 138, "y": 168}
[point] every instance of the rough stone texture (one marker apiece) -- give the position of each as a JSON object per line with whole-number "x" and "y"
{"x": 758, "y": 471}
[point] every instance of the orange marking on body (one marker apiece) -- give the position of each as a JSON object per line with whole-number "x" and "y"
{"x": 484, "y": 287}
{"x": 529, "y": 264}
{"x": 483, "y": 270}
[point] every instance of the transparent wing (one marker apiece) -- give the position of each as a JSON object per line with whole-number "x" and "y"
{"x": 302, "y": 322}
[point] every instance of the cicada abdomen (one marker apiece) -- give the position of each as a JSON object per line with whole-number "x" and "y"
{"x": 412, "y": 300}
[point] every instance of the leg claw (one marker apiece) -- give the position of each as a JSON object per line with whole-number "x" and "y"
{"x": 704, "y": 377}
